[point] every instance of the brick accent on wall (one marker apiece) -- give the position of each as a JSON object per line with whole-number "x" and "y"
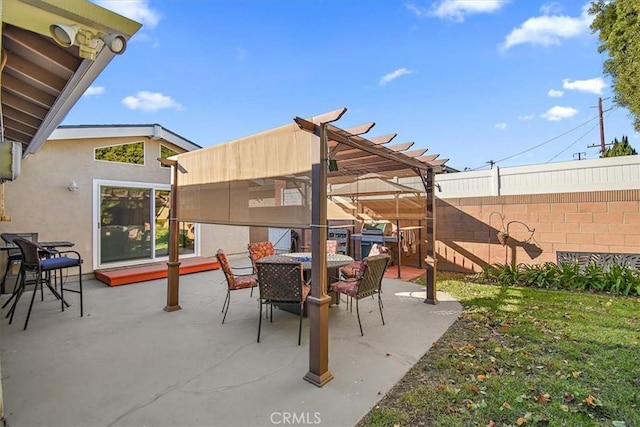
{"x": 599, "y": 221}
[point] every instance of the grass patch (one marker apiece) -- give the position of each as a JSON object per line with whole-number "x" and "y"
{"x": 524, "y": 356}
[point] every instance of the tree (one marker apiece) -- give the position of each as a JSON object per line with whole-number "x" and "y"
{"x": 620, "y": 148}
{"x": 618, "y": 25}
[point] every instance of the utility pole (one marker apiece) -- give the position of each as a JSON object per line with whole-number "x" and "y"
{"x": 603, "y": 147}
{"x": 580, "y": 156}
{"x": 603, "y": 144}
{"x": 491, "y": 163}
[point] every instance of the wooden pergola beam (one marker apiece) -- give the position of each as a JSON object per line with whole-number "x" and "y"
{"x": 330, "y": 116}
{"x": 361, "y": 129}
{"x": 383, "y": 139}
{"x": 415, "y": 153}
{"x": 400, "y": 147}
{"x": 428, "y": 158}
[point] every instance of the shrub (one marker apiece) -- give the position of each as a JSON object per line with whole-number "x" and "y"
{"x": 615, "y": 279}
{"x": 540, "y": 275}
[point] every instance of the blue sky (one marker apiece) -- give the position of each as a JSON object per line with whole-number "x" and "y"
{"x": 471, "y": 80}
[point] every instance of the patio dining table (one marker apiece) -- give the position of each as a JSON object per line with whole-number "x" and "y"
{"x": 46, "y": 245}
{"x": 334, "y": 262}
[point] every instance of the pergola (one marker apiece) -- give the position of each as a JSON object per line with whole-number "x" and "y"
{"x": 280, "y": 178}
{"x": 373, "y": 198}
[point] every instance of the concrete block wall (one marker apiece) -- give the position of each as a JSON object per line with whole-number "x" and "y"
{"x": 598, "y": 221}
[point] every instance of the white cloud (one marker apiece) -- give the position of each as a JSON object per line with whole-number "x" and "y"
{"x": 394, "y": 75}
{"x": 555, "y": 93}
{"x": 457, "y": 9}
{"x": 138, "y": 10}
{"x": 551, "y": 8}
{"x": 548, "y": 30}
{"x": 559, "y": 113}
{"x": 150, "y": 101}
{"x": 94, "y": 90}
{"x": 140, "y": 37}
{"x": 419, "y": 11}
{"x": 500, "y": 126}
{"x": 527, "y": 117}
{"x": 595, "y": 85}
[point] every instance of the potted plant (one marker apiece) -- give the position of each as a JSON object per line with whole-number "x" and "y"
{"x": 502, "y": 237}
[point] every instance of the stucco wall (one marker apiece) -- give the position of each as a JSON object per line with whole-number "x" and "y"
{"x": 40, "y": 201}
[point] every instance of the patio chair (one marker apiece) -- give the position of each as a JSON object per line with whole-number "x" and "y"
{"x": 235, "y": 282}
{"x": 258, "y": 251}
{"x": 352, "y": 270}
{"x": 332, "y": 246}
{"x": 282, "y": 284}
{"x": 13, "y": 255}
{"x": 44, "y": 264}
{"x": 367, "y": 283}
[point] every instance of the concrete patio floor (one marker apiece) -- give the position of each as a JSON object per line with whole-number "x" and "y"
{"x": 129, "y": 363}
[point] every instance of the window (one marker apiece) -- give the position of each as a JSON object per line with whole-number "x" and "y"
{"x": 166, "y": 152}
{"x": 132, "y": 153}
{"x": 133, "y": 223}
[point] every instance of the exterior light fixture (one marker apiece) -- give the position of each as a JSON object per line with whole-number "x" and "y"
{"x": 73, "y": 186}
{"x": 87, "y": 41}
{"x": 64, "y": 35}
{"x": 115, "y": 42}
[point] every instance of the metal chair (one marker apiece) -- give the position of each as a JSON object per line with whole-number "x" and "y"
{"x": 43, "y": 269}
{"x": 13, "y": 255}
{"x": 367, "y": 283}
{"x": 235, "y": 282}
{"x": 259, "y": 250}
{"x": 353, "y": 269}
{"x": 282, "y": 284}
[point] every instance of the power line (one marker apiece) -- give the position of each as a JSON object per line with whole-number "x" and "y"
{"x": 573, "y": 143}
{"x": 585, "y": 134}
{"x": 542, "y": 143}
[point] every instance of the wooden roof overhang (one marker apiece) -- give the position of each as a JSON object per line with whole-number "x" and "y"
{"x": 40, "y": 79}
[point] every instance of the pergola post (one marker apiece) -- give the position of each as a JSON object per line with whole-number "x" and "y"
{"x": 318, "y": 301}
{"x": 431, "y": 259}
{"x": 173, "y": 265}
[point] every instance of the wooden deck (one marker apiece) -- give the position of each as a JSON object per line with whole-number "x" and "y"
{"x": 158, "y": 270}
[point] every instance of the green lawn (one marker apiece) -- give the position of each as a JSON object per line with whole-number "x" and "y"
{"x": 524, "y": 356}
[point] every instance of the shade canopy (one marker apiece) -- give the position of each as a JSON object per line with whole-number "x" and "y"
{"x": 375, "y": 198}
{"x": 265, "y": 179}
{"x": 371, "y": 186}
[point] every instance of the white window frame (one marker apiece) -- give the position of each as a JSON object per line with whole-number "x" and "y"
{"x": 97, "y": 183}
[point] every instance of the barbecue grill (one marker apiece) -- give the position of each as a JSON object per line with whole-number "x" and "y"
{"x": 373, "y": 233}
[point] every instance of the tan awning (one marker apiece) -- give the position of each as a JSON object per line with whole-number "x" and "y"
{"x": 265, "y": 179}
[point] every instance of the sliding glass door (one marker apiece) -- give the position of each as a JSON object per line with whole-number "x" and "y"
{"x": 133, "y": 224}
{"x": 186, "y": 230}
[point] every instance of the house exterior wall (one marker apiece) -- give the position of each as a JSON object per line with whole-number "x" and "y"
{"x": 601, "y": 215}
{"x": 39, "y": 200}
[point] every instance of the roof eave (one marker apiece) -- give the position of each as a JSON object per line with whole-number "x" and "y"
{"x": 76, "y": 86}
{"x": 152, "y": 131}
